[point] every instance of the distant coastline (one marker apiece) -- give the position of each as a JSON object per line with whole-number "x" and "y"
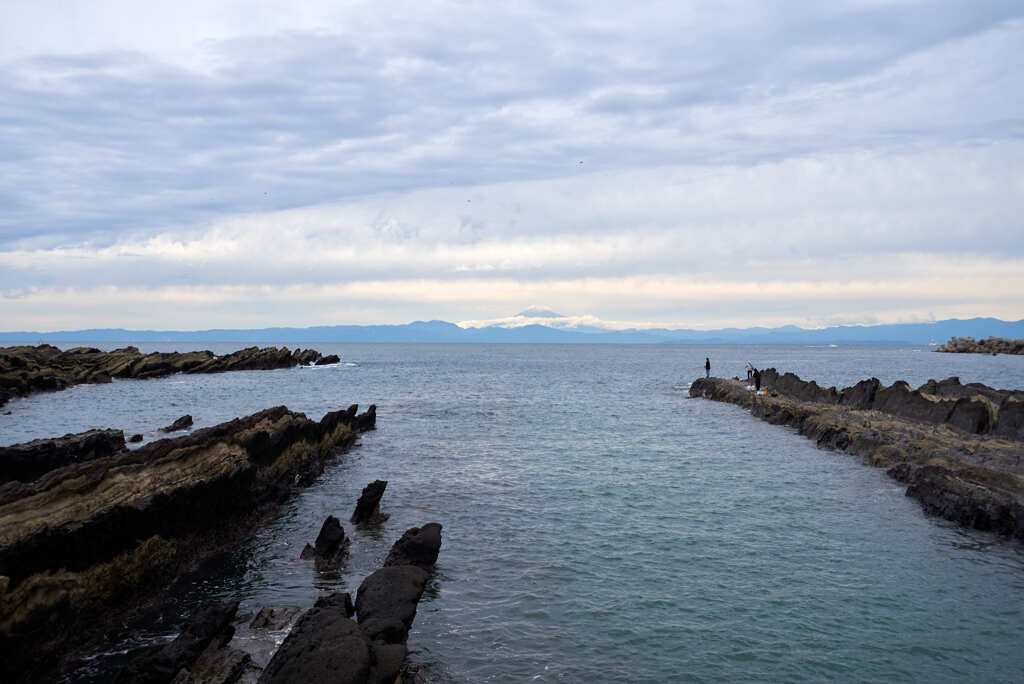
{"x": 444, "y": 332}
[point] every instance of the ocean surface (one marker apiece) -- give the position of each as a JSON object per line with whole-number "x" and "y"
{"x": 600, "y": 525}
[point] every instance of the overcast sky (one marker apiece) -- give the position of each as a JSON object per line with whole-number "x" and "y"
{"x": 208, "y": 163}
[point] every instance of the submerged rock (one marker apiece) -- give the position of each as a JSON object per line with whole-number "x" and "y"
{"x": 331, "y": 545}
{"x": 164, "y": 663}
{"x": 182, "y": 423}
{"x": 274, "y": 617}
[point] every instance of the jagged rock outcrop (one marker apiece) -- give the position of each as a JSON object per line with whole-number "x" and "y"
{"x": 974, "y": 408}
{"x": 25, "y": 370}
{"x": 368, "y": 507}
{"x": 990, "y": 345}
{"x": 306, "y": 357}
{"x": 28, "y": 461}
{"x": 330, "y": 546}
{"x": 327, "y": 645}
{"x": 962, "y": 457}
{"x": 164, "y": 663}
{"x": 87, "y": 543}
{"x": 328, "y": 360}
{"x": 182, "y": 423}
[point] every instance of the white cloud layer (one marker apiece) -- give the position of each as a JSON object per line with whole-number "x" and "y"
{"x": 242, "y": 165}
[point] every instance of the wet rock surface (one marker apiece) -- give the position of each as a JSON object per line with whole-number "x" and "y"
{"x": 960, "y": 448}
{"x": 330, "y": 547}
{"x": 25, "y": 370}
{"x": 183, "y": 423}
{"x": 419, "y": 546}
{"x": 172, "y": 661}
{"x": 368, "y": 507}
{"x": 326, "y": 644}
{"x": 86, "y": 544}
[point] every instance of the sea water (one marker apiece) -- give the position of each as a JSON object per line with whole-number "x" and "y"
{"x": 599, "y": 524}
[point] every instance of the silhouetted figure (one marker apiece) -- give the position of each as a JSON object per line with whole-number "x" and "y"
{"x": 707, "y": 367}
{"x": 757, "y": 380}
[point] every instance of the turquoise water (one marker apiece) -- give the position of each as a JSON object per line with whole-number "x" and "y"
{"x": 600, "y": 525}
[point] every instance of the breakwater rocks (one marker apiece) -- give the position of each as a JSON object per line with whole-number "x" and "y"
{"x": 990, "y": 345}
{"x": 960, "y": 448}
{"x": 25, "y": 370}
{"x": 93, "y": 541}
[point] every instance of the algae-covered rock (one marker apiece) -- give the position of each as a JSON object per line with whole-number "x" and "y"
{"x": 85, "y": 543}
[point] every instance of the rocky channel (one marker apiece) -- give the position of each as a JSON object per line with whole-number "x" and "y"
{"x": 92, "y": 533}
{"x": 960, "y": 448}
{"x": 26, "y": 370}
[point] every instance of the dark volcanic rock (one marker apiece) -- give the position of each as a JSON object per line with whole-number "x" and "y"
{"x": 274, "y": 618}
{"x": 325, "y": 645}
{"x": 963, "y": 458}
{"x": 331, "y": 545}
{"x": 28, "y": 461}
{"x": 25, "y": 370}
{"x": 160, "y": 664}
{"x": 990, "y": 345}
{"x": 327, "y": 360}
{"x": 368, "y": 506}
{"x": 419, "y": 546}
{"x": 83, "y": 545}
{"x": 861, "y": 395}
{"x": 180, "y": 424}
{"x": 1011, "y": 419}
{"x": 386, "y": 602}
{"x": 971, "y": 504}
{"x": 134, "y": 439}
{"x": 976, "y": 414}
{"x": 899, "y": 400}
{"x": 306, "y": 356}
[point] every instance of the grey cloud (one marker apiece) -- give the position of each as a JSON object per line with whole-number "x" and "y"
{"x": 95, "y": 145}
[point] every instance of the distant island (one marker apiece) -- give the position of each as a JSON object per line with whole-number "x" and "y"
{"x": 990, "y": 345}
{"x": 535, "y": 332}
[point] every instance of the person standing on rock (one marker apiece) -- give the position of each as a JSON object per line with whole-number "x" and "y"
{"x": 707, "y": 367}
{"x": 757, "y": 380}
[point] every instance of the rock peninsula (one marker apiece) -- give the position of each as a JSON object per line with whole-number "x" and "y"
{"x": 26, "y": 370}
{"x": 102, "y": 536}
{"x": 989, "y": 345}
{"x": 959, "y": 448}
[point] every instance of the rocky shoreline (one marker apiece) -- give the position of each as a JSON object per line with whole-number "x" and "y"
{"x": 960, "y": 448}
{"x": 45, "y": 368}
{"x": 990, "y": 345}
{"x": 104, "y": 531}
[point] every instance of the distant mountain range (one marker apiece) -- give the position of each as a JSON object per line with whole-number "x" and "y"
{"x": 441, "y": 331}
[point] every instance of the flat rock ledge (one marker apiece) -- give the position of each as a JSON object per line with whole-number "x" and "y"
{"x": 89, "y": 544}
{"x": 26, "y": 370}
{"x": 960, "y": 448}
